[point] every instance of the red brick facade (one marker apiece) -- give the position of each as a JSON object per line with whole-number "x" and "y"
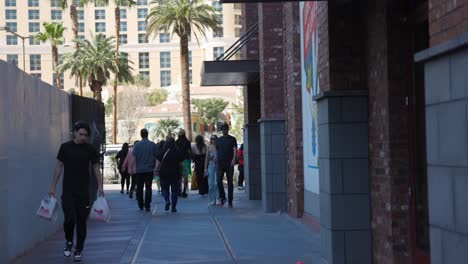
{"x": 270, "y": 33}
{"x": 293, "y": 108}
{"x": 447, "y": 19}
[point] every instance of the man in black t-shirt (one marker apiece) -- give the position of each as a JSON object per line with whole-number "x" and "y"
{"x": 74, "y": 158}
{"x": 227, "y": 149}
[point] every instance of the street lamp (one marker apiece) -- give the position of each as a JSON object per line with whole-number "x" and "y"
{"x": 7, "y": 29}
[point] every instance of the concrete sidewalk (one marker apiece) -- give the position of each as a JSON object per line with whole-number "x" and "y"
{"x": 195, "y": 234}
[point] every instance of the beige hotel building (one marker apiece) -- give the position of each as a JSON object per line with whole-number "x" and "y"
{"x": 156, "y": 57}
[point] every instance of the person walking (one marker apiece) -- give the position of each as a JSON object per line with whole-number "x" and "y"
{"x": 74, "y": 158}
{"x": 227, "y": 151}
{"x": 168, "y": 169}
{"x": 125, "y": 176}
{"x": 145, "y": 155}
{"x": 184, "y": 147}
{"x": 211, "y": 162}
{"x": 240, "y": 167}
{"x": 129, "y": 166}
{"x": 199, "y": 155}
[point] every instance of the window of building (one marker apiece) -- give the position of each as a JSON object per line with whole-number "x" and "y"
{"x": 81, "y": 37}
{"x": 33, "y": 14}
{"x": 142, "y": 2}
{"x": 56, "y": 14}
{"x": 237, "y": 32}
{"x": 54, "y": 78}
{"x": 190, "y": 58}
{"x": 99, "y": 3}
{"x": 218, "y": 33}
{"x": 36, "y": 75}
{"x": 164, "y": 37}
{"x": 141, "y": 26}
{"x": 143, "y": 60}
{"x": 218, "y": 7}
{"x": 99, "y": 14}
{"x": 217, "y": 52}
{"x": 100, "y": 26}
{"x": 13, "y": 59}
{"x": 12, "y": 26}
{"x": 123, "y": 26}
{"x": 165, "y": 78}
{"x": 76, "y": 2}
{"x": 123, "y": 39}
{"x": 12, "y": 40}
{"x": 220, "y": 19}
{"x": 10, "y": 3}
{"x": 237, "y": 19}
{"x": 145, "y": 74}
{"x": 81, "y": 27}
{"x": 237, "y": 6}
{"x": 33, "y": 41}
{"x": 80, "y": 14}
{"x": 10, "y": 14}
{"x": 190, "y": 76}
{"x": 123, "y": 13}
{"x": 35, "y": 62}
{"x": 195, "y": 127}
{"x": 142, "y": 38}
{"x": 54, "y": 3}
{"x": 142, "y": 12}
{"x": 34, "y": 27}
{"x": 165, "y": 59}
{"x": 32, "y": 3}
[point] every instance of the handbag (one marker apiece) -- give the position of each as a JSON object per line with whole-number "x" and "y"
{"x": 159, "y": 164}
{"x": 193, "y": 181}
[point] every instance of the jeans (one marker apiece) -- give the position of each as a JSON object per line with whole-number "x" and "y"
{"x": 173, "y": 184}
{"x": 212, "y": 183}
{"x": 146, "y": 180}
{"x": 75, "y": 210}
{"x": 133, "y": 185}
{"x": 225, "y": 167}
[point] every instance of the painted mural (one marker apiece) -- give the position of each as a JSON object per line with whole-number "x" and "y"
{"x": 310, "y": 87}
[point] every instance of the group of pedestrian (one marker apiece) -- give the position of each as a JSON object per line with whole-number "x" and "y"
{"x": 169, "y": 160}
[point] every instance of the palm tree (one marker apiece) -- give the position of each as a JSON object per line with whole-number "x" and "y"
{"x": 183, "y": 17}
{"x": 97, "y": 62}
{"x": 76, "y": 64}
{"x": 118, "y": 4}
{"x": 165, "y": 127}
{"x": 74, "y": 17}
{"x": 53, "y": 32}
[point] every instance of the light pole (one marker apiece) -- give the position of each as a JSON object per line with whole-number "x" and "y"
{"x": 7, "y": 29}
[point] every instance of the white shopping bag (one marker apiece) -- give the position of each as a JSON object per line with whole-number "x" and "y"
{"x": 100, "y": 210}
{"x": 48, "y": 209}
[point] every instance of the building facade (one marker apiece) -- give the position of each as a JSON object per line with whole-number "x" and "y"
{"x": 357, "y": 121}
{"x": 156, "y": 56}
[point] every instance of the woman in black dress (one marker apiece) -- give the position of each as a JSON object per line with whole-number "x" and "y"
{"x": 125, "y": 176}
{"x": 198, "y": 156}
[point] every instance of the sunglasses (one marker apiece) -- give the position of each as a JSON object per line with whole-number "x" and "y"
{"x": 213, "y": 138}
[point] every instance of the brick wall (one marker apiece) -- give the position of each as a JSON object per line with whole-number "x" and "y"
{"x": 270, "y": 33}
{"x": 388, "y": 63}
{"x": 250, "y": 12}
{"x": 293, "y": 108}
{"x": 323, "y": 60}
{"x": 447, "y": 19}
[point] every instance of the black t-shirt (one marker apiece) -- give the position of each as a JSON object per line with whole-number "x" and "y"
{"x": 225, "y": 145}
{"x": 184, "y": 147}
{"x": 76, "y": 159}
{"x": 170, "y": 165}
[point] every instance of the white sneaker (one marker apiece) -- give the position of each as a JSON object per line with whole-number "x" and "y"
{"x": 68, "y": 249}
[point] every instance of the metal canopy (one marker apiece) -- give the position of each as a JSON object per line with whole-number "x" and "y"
{"x": 227, "y": 73}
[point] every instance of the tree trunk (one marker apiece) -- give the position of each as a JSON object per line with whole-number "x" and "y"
{"x": 80, "y": 83}
{"x": 116, "y": 77}
{"x": 185, "y": 86}
{"x": 96, "y": 88}
{"x": 55, "y": 60}
{"x": 74, "y": 18}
